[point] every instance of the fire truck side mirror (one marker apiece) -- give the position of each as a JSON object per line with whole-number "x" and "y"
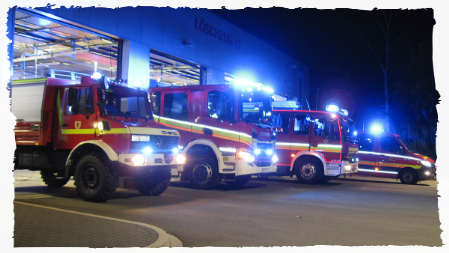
{"x": 72, "y": 96}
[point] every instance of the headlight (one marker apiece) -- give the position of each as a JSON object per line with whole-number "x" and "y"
{"x": 256, "y": 151}
{"x": 348, "y": 167}
{"x": 245, "y": 155}
{"x": 175, "y": 151}
{"x": 138, "y": 160}
{"x": 427, "y": 173}
{"x": 426, "y": 163}
{"x": 140, "y": 137}
{"x": 147, "y": 150}
{"x": 269, "y": 152}
{"x": 181, "y": 159}
{"x": 274, "y": 159}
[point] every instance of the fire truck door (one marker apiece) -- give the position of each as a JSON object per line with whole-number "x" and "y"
{"x": 368, "y": 158}
{"x": 282, "y": 127}
{"x": 76, "y": 117}
{"x": 390, "y": 160}
{"x": 325, "y": 139}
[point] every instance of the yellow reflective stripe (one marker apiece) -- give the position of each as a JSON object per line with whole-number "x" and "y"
{"x": 113, "y": 131}
{"x": 78, "y": 131}
{"x": 353, "y": 149}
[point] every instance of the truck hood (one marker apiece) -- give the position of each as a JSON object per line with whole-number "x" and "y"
{"x": 422, "y": 157}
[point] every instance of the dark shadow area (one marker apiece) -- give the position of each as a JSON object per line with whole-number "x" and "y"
{"x": 223, "y": 186}
{"x": 377, "y": 182}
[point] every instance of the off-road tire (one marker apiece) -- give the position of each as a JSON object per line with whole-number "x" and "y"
{"x": 239, "y": 180}
{"x": 153, "y": 184}
{"x": 95, "y": 180}
{"x": 203, "y": 172}
{"x": 309, "y": 170}
{"x": 51, "y": 180}
{"x": 408, "y": 176}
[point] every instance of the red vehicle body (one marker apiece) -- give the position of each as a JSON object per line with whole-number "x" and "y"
{"x": 225, "y": 131}
{"x": 314, "y": 145}
{"x": 96, "y": 132}
{"x": 388, "y": 155}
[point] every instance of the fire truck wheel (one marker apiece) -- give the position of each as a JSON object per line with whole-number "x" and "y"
{"x": 203, "y": 172}
{"x": 239, "y": 180}
{"x": 51, "y": 179}
{"x": 408, "y": 176}
{"x": 309, "y": 171}
{"x": 153, "y": 184}
{"x": 95, "y": 181}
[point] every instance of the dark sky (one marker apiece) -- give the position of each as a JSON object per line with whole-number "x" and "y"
{"x": 342, "y": 67}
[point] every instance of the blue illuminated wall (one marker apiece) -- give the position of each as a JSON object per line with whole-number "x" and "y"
{"x": 211, "y": 42}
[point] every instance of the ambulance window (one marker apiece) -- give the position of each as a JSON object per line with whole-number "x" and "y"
{"x": 390, "y": 144}
{"x": 156, "y": 102}
{"x": 175, "y": 105}
{"x": 301, "y": 124}
{"x": 83, "y": 104}
{"x": 281, "y": 123}
{"x": 366, "y": 142}
{"x": 220, "y": 105}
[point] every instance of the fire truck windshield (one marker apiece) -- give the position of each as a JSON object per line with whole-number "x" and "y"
{"x": 405, "y": 144}
{"x": 348, "y": 129}
{"x": 126, "y": 102}
{"x": 255, "y": 107}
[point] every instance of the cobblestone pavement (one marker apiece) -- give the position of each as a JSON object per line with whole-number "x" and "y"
{"x": 37, "y": 226}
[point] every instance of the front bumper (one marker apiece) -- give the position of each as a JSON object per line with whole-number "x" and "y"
{"x": 243, "y": 167}
{"x": 337, "y": 169}
{"x": 152, "y": 160}
{"x": 426, "y": 173}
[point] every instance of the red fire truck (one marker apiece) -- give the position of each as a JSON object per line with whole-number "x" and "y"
{"x": 99, "y": 132}
{"x": 314, "y": 145}
{"x": 388, "y": 155}
{"x": 225, "y": 131}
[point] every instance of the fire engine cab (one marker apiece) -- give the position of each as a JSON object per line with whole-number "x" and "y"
{"x": 225, "y": 131}
{"x": 314, "y": 145}
{"x": 384, "y": 154}
{"x": 99, "y": 132}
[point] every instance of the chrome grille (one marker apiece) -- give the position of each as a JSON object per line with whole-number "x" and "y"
{"x": 159, "y": 144}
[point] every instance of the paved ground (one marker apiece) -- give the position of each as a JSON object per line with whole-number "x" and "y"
{"x": 275, "y": 212}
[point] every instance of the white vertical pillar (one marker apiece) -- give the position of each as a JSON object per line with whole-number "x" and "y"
{"x": 6, "y": 57}
{"x": 214, "y": 76}
{"x": 136, "y": 63}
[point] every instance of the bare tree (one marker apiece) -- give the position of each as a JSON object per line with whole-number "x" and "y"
{"x": 383, "y": 61}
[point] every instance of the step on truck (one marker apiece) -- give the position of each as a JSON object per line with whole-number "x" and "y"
{"x": 316, "y": 146}
{"x": 225, "y": 131}
{"x": 100, "y": 132}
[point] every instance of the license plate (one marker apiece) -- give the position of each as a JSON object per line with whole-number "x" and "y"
{"x": 265, "y": 170}
{"x": 140, "y": 138}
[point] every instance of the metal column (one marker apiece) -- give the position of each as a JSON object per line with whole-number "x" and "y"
{"x": 6, "y": 67}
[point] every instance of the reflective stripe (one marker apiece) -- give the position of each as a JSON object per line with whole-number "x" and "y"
{"x": 378, "y": 171}
{"x": 385, "y": 154}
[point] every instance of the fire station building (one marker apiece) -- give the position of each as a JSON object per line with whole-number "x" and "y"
{"x": 149, "y": 47}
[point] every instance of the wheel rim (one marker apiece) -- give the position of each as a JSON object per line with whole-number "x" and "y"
{"x": 202, "y": 172}
{"x": 408, "y": 177}
{"x": 307, "y": 171}
{"x": 91, "y": 178}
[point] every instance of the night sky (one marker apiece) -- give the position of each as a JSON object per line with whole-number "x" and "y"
{"x": 343, "y": 69}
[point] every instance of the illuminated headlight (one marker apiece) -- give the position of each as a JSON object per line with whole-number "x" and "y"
{"x": 256, "y": 151}
{"x": 274, "y": 159}
{"x": 175, "y": 151}
{"x": 269, "y": 152}
{"x": 100, "y": 126}
{"x": 426, "y": 163}
{"x": 147, "y": 150}
{"x": 140, "y": 137}
{"x": 138, "y": 160}
{"x": 348, "y": 167}
{"x": 181, "y": 159}
{"x": 427, "y": 173}
{"x": 247, "y": 156}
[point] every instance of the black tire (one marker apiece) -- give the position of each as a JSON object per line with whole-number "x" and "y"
{"x": 95, "y": 181}
{"x": 309, "y": 171}
{"x": 52, "y": 180}
{"x": 152, "y": 184}
{"x": 203, "y": 173}
{"x": 408, "y": 176}
{"x": 239, "y": 180}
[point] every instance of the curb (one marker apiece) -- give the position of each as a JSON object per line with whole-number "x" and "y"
{"x": 164, "y": 239}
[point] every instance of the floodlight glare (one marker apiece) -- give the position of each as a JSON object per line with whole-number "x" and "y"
{"x": 96, "y": 75}
{"x": 331, "y": 108}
